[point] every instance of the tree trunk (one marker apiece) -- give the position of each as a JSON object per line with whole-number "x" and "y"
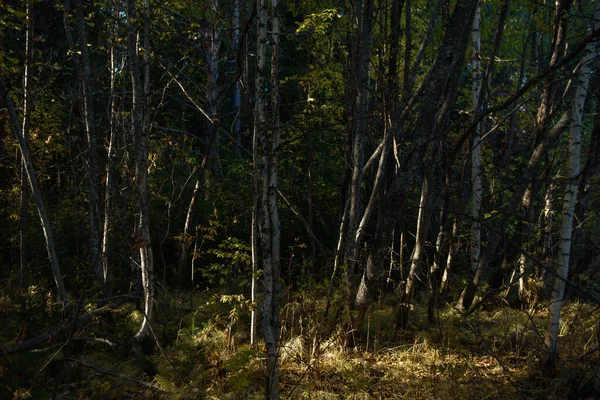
{"x": 111, "y": 159}
{"x": 25, "y": 192}
{"x": 357, "y": 109}
{"x": 269, "y": 223}
{"x": 91, "y": 161}
{"x": 476, "y": 143}
{"x": 35, "y": 191}
{"x": 237, "y": 91}
{"x": 140, "y": 127}
{"x": 570, "y": 196}
{"x": 211, "y": 46}
{"x": 531, "y": 170}
{"x": 423, "y": 222}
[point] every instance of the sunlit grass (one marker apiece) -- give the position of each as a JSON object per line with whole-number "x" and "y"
{"x": 205, "y": 353}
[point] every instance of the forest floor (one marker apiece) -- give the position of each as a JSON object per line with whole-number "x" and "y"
{"x": 204, "y": 353}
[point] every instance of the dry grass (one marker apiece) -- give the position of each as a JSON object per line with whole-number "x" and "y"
{"x": 487, "y": 355}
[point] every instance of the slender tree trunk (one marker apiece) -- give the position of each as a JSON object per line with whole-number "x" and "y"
{"x": 547, "y": 219}
{"x": 269, "y": 223}
{"x": 531, "y": 170}
{"x": 255, "y": 238}
{"x": 186, "y": 240}
{"x": 445, "y": 282}
{"x": 237, "y": 91}
{"x": 111, "y": 160}
{"x": 91, "y": 161}
{"x": 35, "y": 191}
{"x": 140, "y": 127}
{"x": 423, "y": 222}
{"x": 212, "y": 44}
{"x": 25, "y": 192}
{"x": 590, "y": 170}
{"x": 570, "y": 196}
{"x": 476, "y": 143}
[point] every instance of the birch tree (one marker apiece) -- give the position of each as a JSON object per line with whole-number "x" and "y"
{"x": 25, "y": 192}
{"x": 476, "y": 142}
{"x": 36, "y": 193}
{"x": 584, "y": 70}
{"x": 82, "y": 63}
{"x": 140, "y": 125}
{"x": 266, "y": 141}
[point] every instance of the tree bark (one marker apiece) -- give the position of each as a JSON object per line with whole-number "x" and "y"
{"x": 140, "y": 127}
{"x": 269, "y": 223}
{"x": 35, "y": 191}
{"x": 111, "y": 158}
{"x": 25, "y": 192}
{"x": 570, "y": 196}
{"x": 91, "y": 160}
{"x": 423, "y": 222}
{"x": 476, "y": 142}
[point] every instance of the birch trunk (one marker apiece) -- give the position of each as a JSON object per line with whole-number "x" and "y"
{"x": 91, "y": 160}
{"x": 211, "y": 47}
{"x": 25, "y": 192}
{"x": 357, "y": 108}
{"x": 140, "y": 127}
{"x": 423, "y": 222}
{"x": 476, "y": 143}
{"x": 570, "y": 196}
{"x": 35, "y": 192}
{"x": 111, "y": 160}
{"x": 269, "y": 224}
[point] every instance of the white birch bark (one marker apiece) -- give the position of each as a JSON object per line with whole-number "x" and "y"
{"x": 83, "y": 68}
{"x": 35, "y": 191}
{"x": 476, "y": 143}
{"x": 25, "y": 193}
{"x": 269, "y": 224}
{"x": 111, "y": 160}
{"x": 570, "y": 196}
{"x": 140, "y": 127}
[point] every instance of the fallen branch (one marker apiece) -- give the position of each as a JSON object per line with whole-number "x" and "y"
{"x": 93, "y": 339}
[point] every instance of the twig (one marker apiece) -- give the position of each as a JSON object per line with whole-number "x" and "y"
{"x": 93, "y": 339}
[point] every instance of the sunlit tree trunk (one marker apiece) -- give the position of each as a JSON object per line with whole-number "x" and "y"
{"x": 570, "y": 196}
{"x": 357, "y": 108}
{"x": 36, "y": 194}
{"x": 255, "y": 237}
{"x": 266, "y": 153}
{"x": 445, "y": 282}
{"x": 112, "y": 154}
{"x": 423, "y": 222}
{"x": 25, "y": 192}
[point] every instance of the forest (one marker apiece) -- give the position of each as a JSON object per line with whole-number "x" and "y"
{"x": 301, "y": 199}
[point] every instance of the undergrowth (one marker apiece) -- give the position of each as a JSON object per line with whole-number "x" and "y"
{"x": 203, "y": 352}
